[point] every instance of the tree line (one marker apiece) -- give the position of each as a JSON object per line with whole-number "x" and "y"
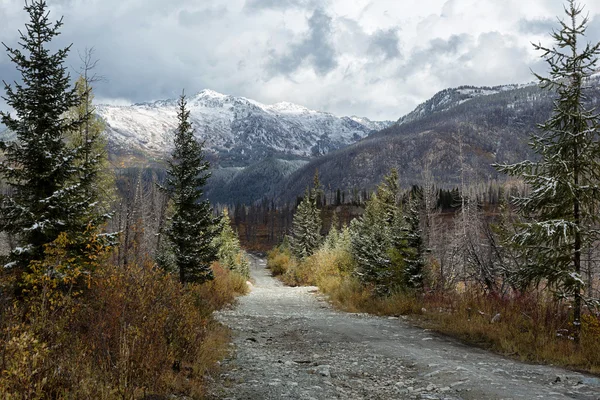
{"x": 112, "y": 274}
{"x": 544, "y": 233}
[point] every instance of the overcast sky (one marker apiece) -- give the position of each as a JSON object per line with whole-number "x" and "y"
{"x": 374, "y": 58}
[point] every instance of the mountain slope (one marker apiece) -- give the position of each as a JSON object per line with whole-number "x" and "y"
{"x": 238, "y": 131}
{"x": 484, "y": 125}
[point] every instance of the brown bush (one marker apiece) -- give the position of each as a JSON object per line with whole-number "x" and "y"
{"x": 279, "y": 261}
{"x": 135, "y": 331}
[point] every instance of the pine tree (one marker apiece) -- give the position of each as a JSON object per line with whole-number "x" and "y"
{"x": 94, "y": 176}
{"x": 331, "y": 240}
{"x": 39, "y": 167}
{"x": 317, "y": 190}
{"x": 192, "y": 227}
{"x": 414, "y": 253}
{"x": 378, "y": 241}
{"x": 306, "y": 227}
{"x": 564, "y": 195}
{"x": 230, "y": 253}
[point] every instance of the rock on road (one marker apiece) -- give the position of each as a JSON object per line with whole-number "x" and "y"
{"x": 290, "y": 343}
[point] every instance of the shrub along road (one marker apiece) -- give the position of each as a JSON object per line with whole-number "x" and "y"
{"x": 290, "y": 343}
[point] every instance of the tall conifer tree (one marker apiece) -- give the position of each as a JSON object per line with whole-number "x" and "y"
{"x": 306, "y": 230}
{"x": 38, "y": 166}
{"x": 564, "y": 199}
{"x": 193, "y": 227}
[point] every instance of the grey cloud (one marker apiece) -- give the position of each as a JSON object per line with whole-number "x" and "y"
{"x": 260, "y": 5}
{"x": 593, "y": 31}
{"x": 485, "y": 60}
{"x": 200, "y": 17}
{"x": 452, "y": 45}
{"x": 315, "y": 48}
{"x": 385, "y": 42}
{"x": 537, "y": 26}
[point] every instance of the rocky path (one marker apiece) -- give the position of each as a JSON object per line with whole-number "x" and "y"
{"x": 289, "y": 343}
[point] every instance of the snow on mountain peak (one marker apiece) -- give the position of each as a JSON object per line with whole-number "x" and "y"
{"x": 236, "y": 129}
{"x": 210, "y": 94}
{"x": 291, "y": 108}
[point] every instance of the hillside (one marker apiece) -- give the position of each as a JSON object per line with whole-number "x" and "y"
{"x": 237, "y": 131}
{"x": 485, "y": 125}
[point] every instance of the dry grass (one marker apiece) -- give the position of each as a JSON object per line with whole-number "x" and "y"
{"x": 279, "y": 261}
{"x": 534, "y": 327}
{"x": 134, "y": 332}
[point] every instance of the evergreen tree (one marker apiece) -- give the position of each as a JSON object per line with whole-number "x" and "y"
{"x": 564, "y": 198}
{"x": 414, "y": 253}
{"x": 317, "y": 190}
{"x": 39, "y": 167}
{"x": 331, "y": 240}
{"x": 95, "y": 178}
{"x": 229, "y": 251}
{"x": 378, "y": 242}
{"x": 192, "y": 227}
{"x": 306, "y": 227}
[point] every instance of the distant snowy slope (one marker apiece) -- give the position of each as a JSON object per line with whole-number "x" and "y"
{"x": 450, "y": 98}
{"x": 240, "y": 131}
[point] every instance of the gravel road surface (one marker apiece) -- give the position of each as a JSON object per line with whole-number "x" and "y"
{"x": 289, "y": 343}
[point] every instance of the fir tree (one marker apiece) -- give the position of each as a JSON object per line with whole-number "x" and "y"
{"x": 378, "y": 241}
{"x": 39, "y": 167}
{"x": 94, "y": 176}
{"x": 414, "y": 253}
{"x": 564, "y": 195}
{"x": 306, "y": 227}
{"x": 317, "y": 190}
{"x": 230, "y": 253}
{"x": 192, "y": 227}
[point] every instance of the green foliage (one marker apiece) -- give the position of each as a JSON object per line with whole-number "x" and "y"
{"x": 192, "y": 227}
{"x": 230, "y": 253}
{"x": 306, "y": 232}
{"x": 47, "y": 184}
{"x": 414, "y": 252}
{"x": 565, "y": 197}
{"x": 95, "y": 173}
{"x": 377, "y": 239}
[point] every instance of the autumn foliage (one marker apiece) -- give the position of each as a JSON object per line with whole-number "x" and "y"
{"x": 91, "y": 329}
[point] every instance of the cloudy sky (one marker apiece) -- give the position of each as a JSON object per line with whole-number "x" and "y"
{"x": 374, "y": 58}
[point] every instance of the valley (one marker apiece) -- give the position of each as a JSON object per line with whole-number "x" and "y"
{"x": 272, "y": 152}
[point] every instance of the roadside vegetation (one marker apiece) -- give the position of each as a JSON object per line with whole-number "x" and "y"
{"x": 522, "y": 282}
{"x": 94, "y": 302}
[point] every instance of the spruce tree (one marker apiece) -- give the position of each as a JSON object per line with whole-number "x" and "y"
{"x": 562, "y": 206}
{"x": 192, "y": 227}
{"x": 39, "y": 167}
{"x": 306, "y": 227}
{"x": 378, "y": 239}
{"x": 414, "y": 251}
{"x": 94, "y": 176}
{"x": 230, "y": 253}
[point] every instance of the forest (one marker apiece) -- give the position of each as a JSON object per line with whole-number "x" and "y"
{"x": 112, "y": 273}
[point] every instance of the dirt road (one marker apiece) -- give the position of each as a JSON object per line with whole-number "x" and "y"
{"x": 289, "y": 343}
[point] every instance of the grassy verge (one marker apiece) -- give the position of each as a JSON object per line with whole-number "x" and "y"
{"x": 534, "y": 327}
{"x": 132, "y": 332}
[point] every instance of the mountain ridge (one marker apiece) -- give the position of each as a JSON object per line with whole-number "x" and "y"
{"x": 239, "y": 131}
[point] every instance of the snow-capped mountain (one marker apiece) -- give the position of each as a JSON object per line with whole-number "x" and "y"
{"x": 450, "y": 98}
{"x": 240, "y": 131}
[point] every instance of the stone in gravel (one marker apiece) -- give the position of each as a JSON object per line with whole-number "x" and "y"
{"x": 323, "y": 370}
